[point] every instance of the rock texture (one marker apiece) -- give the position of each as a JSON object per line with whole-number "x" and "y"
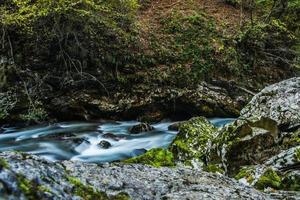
{"x": 57, "y": 181}
{"x": 280, "y": 101}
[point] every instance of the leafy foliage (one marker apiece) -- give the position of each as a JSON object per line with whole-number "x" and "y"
{"x": 71, "y": 34}
{"x": 267, "y": 44}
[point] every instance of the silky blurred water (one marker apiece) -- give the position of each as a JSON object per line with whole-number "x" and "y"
{"x": 79, "y": 141}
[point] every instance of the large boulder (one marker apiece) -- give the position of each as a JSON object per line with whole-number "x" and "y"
{"x": 244, "y": 142}
{"x": 280, "y": 102}
{"x": 192, "y": 140}
{"x": 36, "y": 178}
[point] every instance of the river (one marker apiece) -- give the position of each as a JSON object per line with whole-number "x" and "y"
{"x": 80, "y": 140}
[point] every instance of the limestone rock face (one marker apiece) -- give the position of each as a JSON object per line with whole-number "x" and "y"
{"x": 280, "y": 102}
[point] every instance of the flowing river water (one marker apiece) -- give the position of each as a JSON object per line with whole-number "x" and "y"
{"x": 80, "y": 140}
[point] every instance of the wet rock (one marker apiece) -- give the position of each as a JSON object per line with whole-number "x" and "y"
{"x": 79, "y": 140}
{"x": 191, "y": 142}
{"x": 175, "y": 126}
{"x": 113, "y": 136}
{"x": 104, "y": 144}
{"x": 280, "y": 102}
{"x": 142, "y": 127}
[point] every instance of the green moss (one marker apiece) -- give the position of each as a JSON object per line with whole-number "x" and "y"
{"x": 247, "y": 173}
{"x": 4, "y": 163}
{"x": 120, "y": 196}
{"x": 269, "y": 179}
{"x": 213, "y": 168}
{"x": 154, "y": 157}
{"x": 294, "y": 140}
{"x": 30, "y": 188}
{"x": 43, "y": 189}
{"x": 85, "y": 191}
{"x": 297, "y": 154}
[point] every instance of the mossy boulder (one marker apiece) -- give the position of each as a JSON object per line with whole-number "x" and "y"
{"x": 154, "y": 157}
{"x": 244, "y": 142}
{"x": 192, "y": 140}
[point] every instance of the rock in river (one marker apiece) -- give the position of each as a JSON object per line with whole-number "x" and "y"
{"x": 104, "y": 144}
{"x": 113, "y": 136}
{"x": 142, "y": 127}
